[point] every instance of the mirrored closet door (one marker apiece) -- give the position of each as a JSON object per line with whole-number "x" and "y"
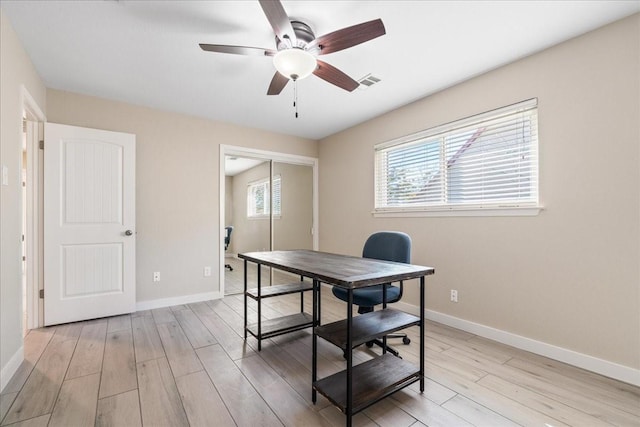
{"x": 270, "y": 206}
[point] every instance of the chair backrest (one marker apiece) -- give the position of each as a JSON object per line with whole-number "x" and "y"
{"x": 227, "y": 237}
{"x": 388, "y": 246}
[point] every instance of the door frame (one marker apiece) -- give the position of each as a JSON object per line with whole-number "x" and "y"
{"x": 231, "y": 150}
{"x": 33, "y": 239}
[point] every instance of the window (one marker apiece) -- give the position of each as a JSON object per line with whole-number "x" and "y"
{"x": 488, "y": 161}
{"x": 258, "y": 197}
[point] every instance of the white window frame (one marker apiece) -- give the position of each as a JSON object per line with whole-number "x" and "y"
{"x": 485, "y": 208}
{"x": 277, "y": 185}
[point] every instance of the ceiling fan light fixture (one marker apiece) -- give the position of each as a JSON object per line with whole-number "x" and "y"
{"x": 295, "y": 63}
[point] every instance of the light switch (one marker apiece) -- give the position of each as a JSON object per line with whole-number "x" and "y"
{"x": 5, "y": 175}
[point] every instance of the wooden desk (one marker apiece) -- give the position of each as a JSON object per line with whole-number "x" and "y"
{"x": 376, "y": 378}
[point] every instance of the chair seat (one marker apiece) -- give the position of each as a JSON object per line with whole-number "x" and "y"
{"x": 369, "y": 296}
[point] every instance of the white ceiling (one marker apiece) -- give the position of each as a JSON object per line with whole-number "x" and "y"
{"x": 233, "y": 165}
{"x": 146, "y": 52}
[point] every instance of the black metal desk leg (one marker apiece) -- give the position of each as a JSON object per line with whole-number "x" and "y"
{"x": 384, "y": 305}
{"x": 259, "y": 307}
{"x": 245, "y": 299}
{"x": 314, "y": 340}
{"x": 301, "y": 297}
{"x": 319, "y": 300}
{"x": 422, "y": 334}
{"x": 349, "y": 355}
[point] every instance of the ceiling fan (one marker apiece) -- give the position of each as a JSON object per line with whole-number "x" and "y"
{"x": 297, "y": 48}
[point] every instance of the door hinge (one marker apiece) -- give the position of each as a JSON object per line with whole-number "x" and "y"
{"x": 23, "y": 237}
{"x": 24, "y": 126}
{"x": 24, "y": 258}
{"x": 42, "y": 145}
{"x": 42, "y": 293}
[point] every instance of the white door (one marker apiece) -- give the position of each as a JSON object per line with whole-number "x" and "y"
{"x": 89, "y": 223}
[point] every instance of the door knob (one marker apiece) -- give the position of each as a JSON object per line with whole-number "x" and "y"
{"x": 128, "y": 233}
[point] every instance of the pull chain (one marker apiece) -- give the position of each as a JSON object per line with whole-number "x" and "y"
{"x": 295, "y": 96}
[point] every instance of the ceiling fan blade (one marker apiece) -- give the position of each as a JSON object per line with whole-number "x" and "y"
{"x": 277, "y": 84}
{"x": 279, "y": 20}
{"x": 237, "y": 50}
{"x": 347, "y": 37}
{"x": 334, "y": 76}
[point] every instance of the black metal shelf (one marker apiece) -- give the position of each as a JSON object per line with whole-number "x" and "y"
{"x": 376, "y": 379}
{"x": 267, "y": 328}
{"x": 366, "y": 327}
{"x": 278, "y": 290}
{"x": 281, "y": 325}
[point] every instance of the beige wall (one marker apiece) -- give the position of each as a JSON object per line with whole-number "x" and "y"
{"x": 292, "y": 230}
{"x": 16, "y": 70}
{"x": 177, "y": 182}
{"x": 568, "y": 277}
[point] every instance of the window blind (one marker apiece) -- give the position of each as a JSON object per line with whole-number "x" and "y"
{"x": 277, "y": 195}
{"x": 259, "y": 196}
{"x": 488, "y": 160}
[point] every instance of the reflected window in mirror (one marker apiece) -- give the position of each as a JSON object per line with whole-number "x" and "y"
{"x": 259, "y": 198}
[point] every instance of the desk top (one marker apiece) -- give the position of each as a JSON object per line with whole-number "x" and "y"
{"x": 340, "y": 270}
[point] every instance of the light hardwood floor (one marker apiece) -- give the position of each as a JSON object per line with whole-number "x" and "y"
{"x": 189, "y": 365}
{"x": 234, "y": 279}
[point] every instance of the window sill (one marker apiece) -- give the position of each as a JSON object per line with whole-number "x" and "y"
{"x": 262, "y": 217}
{"x": 459, "y": 211}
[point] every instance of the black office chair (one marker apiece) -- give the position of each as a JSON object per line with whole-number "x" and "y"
{"x": 387, "y": 246}
{"x": 227, "y": 241}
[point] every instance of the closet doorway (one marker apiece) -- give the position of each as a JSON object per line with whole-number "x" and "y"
{"x": 270, "y": 201}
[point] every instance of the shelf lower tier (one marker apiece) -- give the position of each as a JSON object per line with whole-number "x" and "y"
{"x": 367, "y": 327}
{"x": 372, "y": 381}
{"x": 281, "y": 325}
{"x": 277, "y": 290}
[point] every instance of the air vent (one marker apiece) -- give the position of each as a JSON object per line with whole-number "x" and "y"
{"x": 367, "y": 81}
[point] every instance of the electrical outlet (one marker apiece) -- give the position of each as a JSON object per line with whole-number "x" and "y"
{"x": 454, "y": 295}
{"x": 156, "y": 276}
{"x": 207, "y": 271}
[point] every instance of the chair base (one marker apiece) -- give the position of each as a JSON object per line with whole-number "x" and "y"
{"x": 380, "y": 343}
{"x": 405, "y": 340}
{"x": 228, "y": 266}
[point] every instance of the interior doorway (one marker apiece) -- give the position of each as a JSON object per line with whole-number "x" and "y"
{"x": 31, "y": 207}
{"x": 23, "y": 252}
{"x": 270, "y": 199}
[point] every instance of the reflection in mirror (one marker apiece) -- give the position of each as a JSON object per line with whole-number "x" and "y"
{"x": 292, "y": 228}
{"x": 251, "y": 232}
{"x": 268, "y": 210}
{"x": 292, "y": 210}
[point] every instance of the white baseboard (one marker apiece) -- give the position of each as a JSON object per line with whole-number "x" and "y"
{"x": 185, "y": 299}
{"x": 11, "y": 367}
{"x": 584, "y": 361}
